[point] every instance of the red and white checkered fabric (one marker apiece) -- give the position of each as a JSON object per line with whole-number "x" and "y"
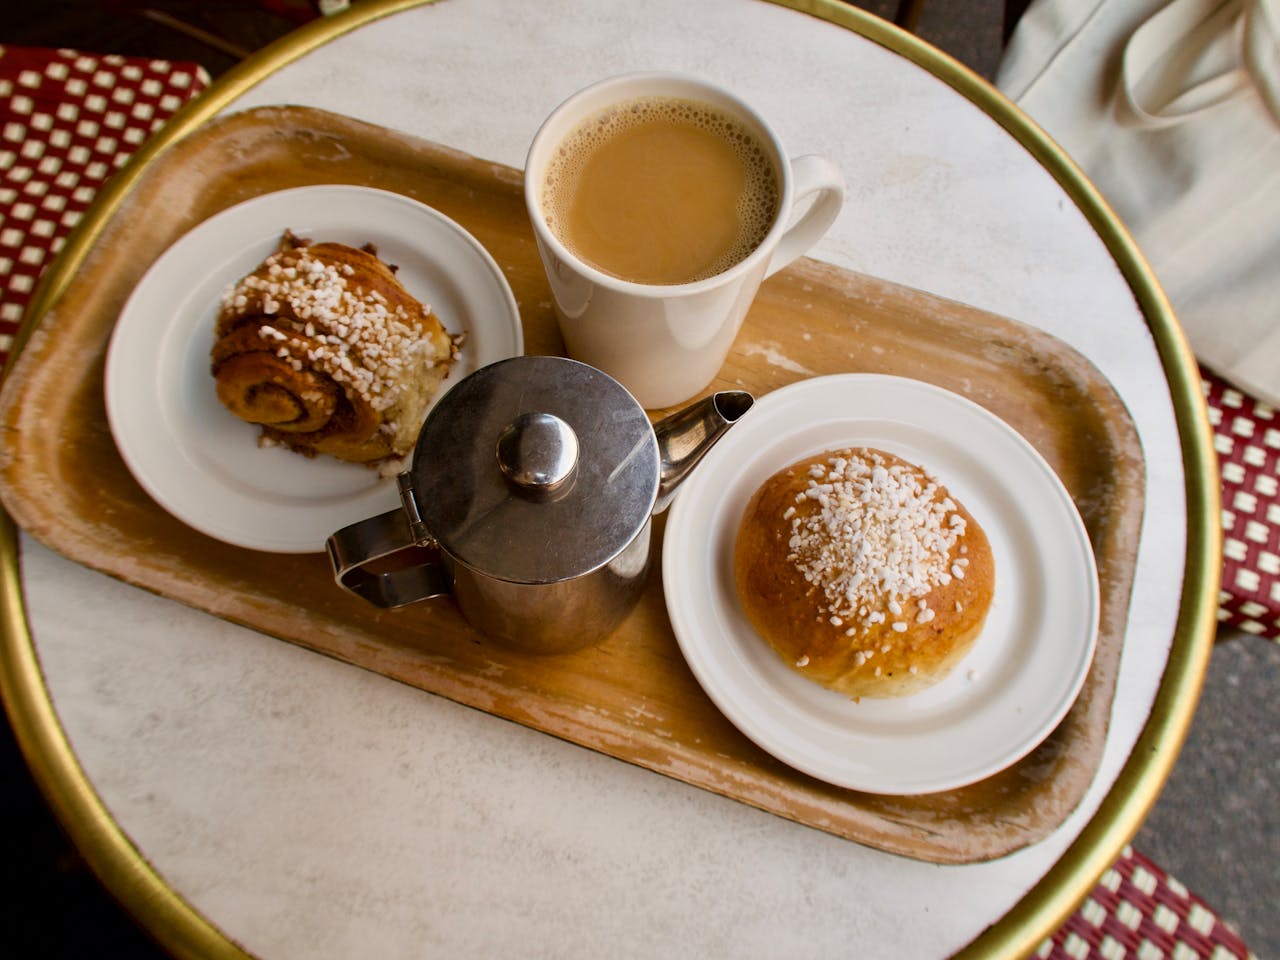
{"x": 1247, "y": 438}
{"x": 1138, "y": 911}
{"x": 69, "y": 120}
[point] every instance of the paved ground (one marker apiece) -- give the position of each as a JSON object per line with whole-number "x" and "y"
{"x": 1216, "y": 826}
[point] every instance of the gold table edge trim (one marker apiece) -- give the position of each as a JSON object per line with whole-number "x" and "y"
{"x": 181, "y": 929}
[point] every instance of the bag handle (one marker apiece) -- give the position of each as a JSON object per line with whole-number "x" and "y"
{"x": 1169, "y": 40}
{"x": 1261, "y": 51}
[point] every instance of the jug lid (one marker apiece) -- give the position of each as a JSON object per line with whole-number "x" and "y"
{"x": 535, "y": 469}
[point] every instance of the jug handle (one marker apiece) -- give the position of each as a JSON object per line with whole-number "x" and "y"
{"x": 353, "y": 548}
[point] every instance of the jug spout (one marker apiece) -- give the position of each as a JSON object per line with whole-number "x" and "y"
{"x": 686, "y": 436}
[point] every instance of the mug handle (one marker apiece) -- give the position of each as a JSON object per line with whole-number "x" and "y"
{"x": 810, "y": 174}
{"x": 354, "y": 547}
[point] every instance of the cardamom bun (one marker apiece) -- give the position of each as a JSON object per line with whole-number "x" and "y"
{"x": 863, "y": 572}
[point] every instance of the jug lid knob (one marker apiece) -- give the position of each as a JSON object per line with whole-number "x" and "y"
{"x": 538, "y": 452}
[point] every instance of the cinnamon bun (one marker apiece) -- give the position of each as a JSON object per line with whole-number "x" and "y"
{"x": 322, "y": 346}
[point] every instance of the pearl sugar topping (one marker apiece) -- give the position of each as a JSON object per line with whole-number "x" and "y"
{"x": 881, "y": 535}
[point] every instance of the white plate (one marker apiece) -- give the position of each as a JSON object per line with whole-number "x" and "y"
{"x": 1024, "y": 671}
{"x": 200, "y": 462}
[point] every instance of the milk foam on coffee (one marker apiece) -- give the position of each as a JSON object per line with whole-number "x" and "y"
{"x": 661, "y": 190}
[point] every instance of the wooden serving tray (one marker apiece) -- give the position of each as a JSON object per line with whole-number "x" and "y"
{"x": 632, "y": 696}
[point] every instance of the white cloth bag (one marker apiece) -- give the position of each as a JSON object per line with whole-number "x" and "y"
{"x": 1173, "y": 111}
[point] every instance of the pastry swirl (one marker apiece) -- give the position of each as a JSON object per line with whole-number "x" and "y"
{"x": 323, "y": 348}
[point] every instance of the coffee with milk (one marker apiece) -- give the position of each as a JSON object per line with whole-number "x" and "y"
{"x": 661, "y": 190}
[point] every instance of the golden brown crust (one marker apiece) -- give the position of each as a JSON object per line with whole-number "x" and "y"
{"x": 884, "y": 607}
{"x": 323, "y": 347}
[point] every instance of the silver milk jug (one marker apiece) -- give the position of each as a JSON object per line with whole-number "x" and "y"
{"x": 534, "y": 480}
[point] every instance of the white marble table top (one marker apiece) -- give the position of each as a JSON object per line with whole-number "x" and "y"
{"x": 309, "y": 809}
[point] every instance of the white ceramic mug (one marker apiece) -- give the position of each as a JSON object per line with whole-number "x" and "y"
{"x": 665, "y": 343}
